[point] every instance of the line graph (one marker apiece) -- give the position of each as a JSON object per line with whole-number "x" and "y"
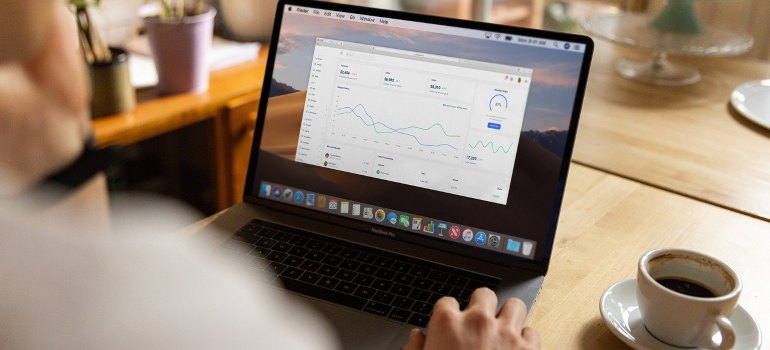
{"x": 396, "y": 121}
{"x": 491, "y": 146}
{"x": 406, "y": 131}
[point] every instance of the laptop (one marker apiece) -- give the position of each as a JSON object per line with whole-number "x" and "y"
{"x": 399, "y": 158}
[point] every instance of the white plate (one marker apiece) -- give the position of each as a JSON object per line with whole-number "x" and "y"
{"x": 752, "y": 100}
{"x": 621, "y": 314}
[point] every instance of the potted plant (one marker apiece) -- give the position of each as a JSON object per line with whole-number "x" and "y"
{"x": 180, "y": 39}
{"x": 111, "y": 90}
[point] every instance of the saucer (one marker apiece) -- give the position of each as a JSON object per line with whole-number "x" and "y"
{"x": 621, "y": 314}
{"x": 752, "y": 100}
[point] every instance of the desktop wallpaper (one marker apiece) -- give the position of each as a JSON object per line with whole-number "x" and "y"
{"x": 551, "y": 95}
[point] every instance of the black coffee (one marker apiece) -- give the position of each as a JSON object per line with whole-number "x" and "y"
{"x": 686, "y": 287}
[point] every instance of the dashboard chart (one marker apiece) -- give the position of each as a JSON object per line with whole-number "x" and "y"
{"x": 437, "y": 122}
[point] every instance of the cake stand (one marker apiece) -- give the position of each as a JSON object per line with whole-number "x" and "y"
{"x": 637, "y": 31}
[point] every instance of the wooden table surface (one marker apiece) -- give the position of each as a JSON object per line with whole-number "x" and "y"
{"x": 684, "y": 139}
{"x": 155, "y": 115}
{"x": 607, "y": 223}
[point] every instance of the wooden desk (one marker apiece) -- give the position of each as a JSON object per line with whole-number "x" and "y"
{"x": 607, "y": 223}
{"x": 684, "y": 139}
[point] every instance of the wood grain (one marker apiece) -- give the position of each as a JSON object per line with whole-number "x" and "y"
{"x": 607, "y": 223}
{"x": 684, "y": 139}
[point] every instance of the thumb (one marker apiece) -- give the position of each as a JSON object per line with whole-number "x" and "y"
{"x": 416, "y": 340}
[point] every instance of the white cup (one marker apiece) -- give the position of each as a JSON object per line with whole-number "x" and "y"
{"x": 684, "y": 320}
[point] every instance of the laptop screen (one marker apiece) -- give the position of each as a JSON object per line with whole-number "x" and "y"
{"x": 435, "y": 130}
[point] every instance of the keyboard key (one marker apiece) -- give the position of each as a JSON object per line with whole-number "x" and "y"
{"x": 422, "y": 308}
{"x": 291, "y": 272}
{"x": 367, "y": 258}
{"x": 346, "y": 287}
{"x": 349, "y": 253}
{"x": 278, "y": 268}
{"x": 325, "y": 294}
{"x": 401, "y": 289}
{"x": 261, "y": 251}
{"x": 441, "y": 288}
{"x": 282, "y": 247}
{"x": 310, "y": 265}
{"x": 401, "y": 266}
{"x": 251, "y": 228}
{"x": 314, "y": 244}
{"x": 345, "y": 275}
{"x": 419, "y": 320}
{"x": 400, "y": 315}
{"x": 298, "y": 251}
{"x": 327, "y": 270}
{"x": 364, "y": 292}
{"x": 332, "y": 260}
{"x": 283, "y": 236}
{"x": 377, "y": 308}
{"x": 402, "y": 302}
{"x": 438, "y": 276}
{"x": 315, "y": 256}
{"x": 350, "y": 264}
{"x": 434, "y": 298}
{"x": 383, "y": 262}
{"x": 420, "y": 271}
{"x": 363, "y": 280}
{"x": 299, "y": 240}
{"x": 268, "y": 232}
{"x": 457, "y": 281}
{"x": 310, "y": 277}
{"x": 382, "y": 284}
{"x": 265, "y": 242}
{"x": 383, "y": 297}
{"x": 367, "y": 269}
{"x": 328, "y": 282}
{"x": 476, "y": 284}
{"x": 422, "y": 283}
{"x": 420, "y": 294}
{"x": 404, "y": 278}
{"x": 331, "y": 249}
{"x": 460, "y": 293}
{"x": 277, "y": 256}
{"x": 293, "y": 261}
{"x": 385, "y": 274}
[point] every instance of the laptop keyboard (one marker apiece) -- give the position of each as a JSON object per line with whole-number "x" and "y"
{"x": 382, "y": 283}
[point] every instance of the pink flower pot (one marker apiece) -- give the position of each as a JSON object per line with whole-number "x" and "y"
{"x": 180, "y": 48}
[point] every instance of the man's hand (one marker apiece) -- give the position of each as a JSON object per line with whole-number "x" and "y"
{"x": 477, "y": 327}
{"x": 44, "y": 117}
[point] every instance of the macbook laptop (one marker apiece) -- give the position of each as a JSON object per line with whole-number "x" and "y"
{"x": 399, "y": 158}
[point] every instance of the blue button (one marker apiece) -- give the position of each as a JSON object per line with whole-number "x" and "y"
{"x": 481, "y": 238}
{"x": 495, "y": 126}
{"x": 514, "y": 246}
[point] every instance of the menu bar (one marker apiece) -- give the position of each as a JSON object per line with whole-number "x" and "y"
{"x": 437, "y": 28}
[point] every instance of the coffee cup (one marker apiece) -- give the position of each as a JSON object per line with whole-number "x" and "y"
{"x": 686, "y": 298}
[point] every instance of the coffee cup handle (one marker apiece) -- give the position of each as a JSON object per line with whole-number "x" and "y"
{"x": 705, "y": 338}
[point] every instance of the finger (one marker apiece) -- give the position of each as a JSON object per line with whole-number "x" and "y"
{"x": 530, "y": 336}
{"x": 416, "y": 340}
{"x": 446, "y": 304}
{"x": 485, "y": 299}
{"x": 513, "y": 312}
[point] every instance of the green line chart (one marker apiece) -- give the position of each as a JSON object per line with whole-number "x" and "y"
{"x": 491, "y": 146}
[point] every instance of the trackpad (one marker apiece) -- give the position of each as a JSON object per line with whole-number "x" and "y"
{"x": 357, "y": 329}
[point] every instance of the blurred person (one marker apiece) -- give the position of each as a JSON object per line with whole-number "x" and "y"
{"x": 66, "y": 285}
